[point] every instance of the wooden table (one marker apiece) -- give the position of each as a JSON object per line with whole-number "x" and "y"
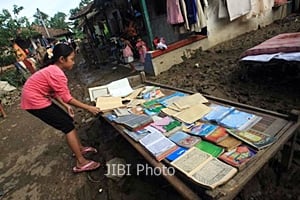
{"x": 283, "y": 127}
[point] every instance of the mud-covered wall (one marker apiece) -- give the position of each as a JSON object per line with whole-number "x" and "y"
{"x": 220, "y": 30}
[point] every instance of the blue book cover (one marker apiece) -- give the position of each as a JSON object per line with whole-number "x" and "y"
{"x": 239, "y": 120}
{"x": 178, "y": 136}
{"x": 183, "y": 139}
{"x": 217, "y": 113}
{"x": 168, "y": 100}
{"x": 202, "y": 129}
{"x": 180, "y": 151}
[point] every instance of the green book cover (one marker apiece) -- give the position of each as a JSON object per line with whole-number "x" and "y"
{"x": 210, "y": 148}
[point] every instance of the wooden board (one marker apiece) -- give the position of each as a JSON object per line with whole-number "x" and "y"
{"x": 283, "y": 127}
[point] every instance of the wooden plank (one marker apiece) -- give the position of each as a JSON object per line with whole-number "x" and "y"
{"x": 236, "y": 184}
{"x": 181, "y": 187}
{"x": 224, "y": 101}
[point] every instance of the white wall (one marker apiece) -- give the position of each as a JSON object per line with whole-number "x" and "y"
{"x": 219, "y": 30}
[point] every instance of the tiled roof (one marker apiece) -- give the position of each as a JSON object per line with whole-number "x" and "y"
{"x": 52, "y": 31}
{"x": 84, "y": 10}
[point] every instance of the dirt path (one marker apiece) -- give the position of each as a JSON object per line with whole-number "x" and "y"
{"x": 35, "y": 162}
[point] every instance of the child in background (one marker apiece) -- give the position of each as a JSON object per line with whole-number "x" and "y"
{"x": 142, "y": 48}
{"x": 128, "y": 54}
{"x": 51, "y": 83}
{"x": 2, "y": 110}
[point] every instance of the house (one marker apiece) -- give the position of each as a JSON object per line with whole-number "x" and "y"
{"x": 217, "y": 21}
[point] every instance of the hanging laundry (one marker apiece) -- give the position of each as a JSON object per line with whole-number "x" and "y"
{"x": 174, "y": 15}
{"x": 236, "y": 10}
{"x": 183, "y": 8}
{"x": 223, "y": 13}
{"x": 191, "y": 9}
{"x": 200, "y": 18}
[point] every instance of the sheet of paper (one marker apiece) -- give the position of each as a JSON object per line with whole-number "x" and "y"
{"x": 135, "y": 93}
{"x": 193, "y": 113}
{"x": 109, "y": 103}
{"x": 190, "y": 100}
{"x": 119, "y": 88}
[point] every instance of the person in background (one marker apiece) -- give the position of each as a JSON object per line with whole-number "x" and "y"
{"x": 40, "y": 53}
{"x": 51, "y": 83}
{"x": 128, "y": 54}
{"x": 2, "y": 112}
{"x": 142, "y": 49}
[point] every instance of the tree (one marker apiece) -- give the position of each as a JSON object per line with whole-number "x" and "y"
{"x": 59, "y": 21}
{"x": 12, "y": 27}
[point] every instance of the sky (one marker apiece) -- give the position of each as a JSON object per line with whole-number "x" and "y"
{"x": 49, "y": 7}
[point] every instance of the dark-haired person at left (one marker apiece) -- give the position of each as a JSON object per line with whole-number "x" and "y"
{"x": 51, "y": 83}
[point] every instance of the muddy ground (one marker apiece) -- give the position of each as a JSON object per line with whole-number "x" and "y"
{"x": 35, "y": 162}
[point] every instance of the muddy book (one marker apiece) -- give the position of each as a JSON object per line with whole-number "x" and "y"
{"x": 152, "y": 107}
{"x": 200, "y": 129}
{"x": 256, "y": 139}
{"x": 239, "y": 120}
{"x": 217, "y": 113}
{"x": 203, "y": 168}
{"x": 184, "y": 139}
{"x": 229, "y": 143}
{"x": 134, "y": 122}
{"x": 217, "y": 135}
{"x": 176, "y": 154}
{"x": 167, "y": 125}
{"x": 238, "y": 156}
{"x": 210, "y": 148}
{"x": 137, "y": 135}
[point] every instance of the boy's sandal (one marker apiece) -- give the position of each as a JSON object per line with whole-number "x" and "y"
{"x": 91, "y": 165}
{"x": 86, "y": 150}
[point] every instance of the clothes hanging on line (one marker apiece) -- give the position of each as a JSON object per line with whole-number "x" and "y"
{"x": 190, "y": 12}
{"x": 174, "y": 15}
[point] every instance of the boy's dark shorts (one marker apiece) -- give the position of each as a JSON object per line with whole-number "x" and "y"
{"x": 54, "y": 116}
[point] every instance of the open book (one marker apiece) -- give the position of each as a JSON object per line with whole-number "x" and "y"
{"x": 157, "y": 144}
{"x": 203, "y": 168}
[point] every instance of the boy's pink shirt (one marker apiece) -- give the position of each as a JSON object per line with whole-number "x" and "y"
{"x": 45, "y": 83}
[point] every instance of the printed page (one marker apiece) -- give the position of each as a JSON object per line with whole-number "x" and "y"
{"x": 213, "y": 173}
{"x": 151, "y": 138}
{"x": 120, "y": 88}
{"x": 190, "y": 160}
{"x": 160, "y": 146}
